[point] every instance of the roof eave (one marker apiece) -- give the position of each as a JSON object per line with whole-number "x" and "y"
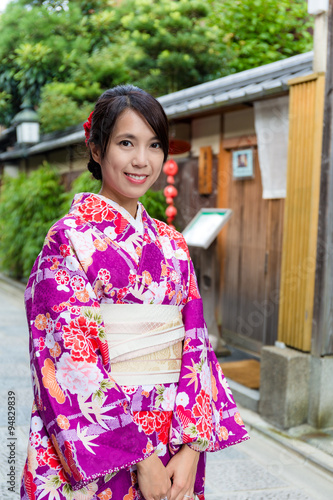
{"x": 218, "y": 104}
{"x": 241, "y": 87}
{"x": 272, "y": 70}
{"x": 61, "y": 142}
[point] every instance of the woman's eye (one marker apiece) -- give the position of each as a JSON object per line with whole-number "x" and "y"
{"x": 126, "y": 143}
{"x": 156, "y": 145}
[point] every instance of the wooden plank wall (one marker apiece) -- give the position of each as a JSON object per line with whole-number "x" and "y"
{"x": 189, "y": 200}
{"x": 250, "y": 255}
{"x": 301, "y": 211}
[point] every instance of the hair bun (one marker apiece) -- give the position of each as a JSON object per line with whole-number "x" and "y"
{"x": 95, "y": 169}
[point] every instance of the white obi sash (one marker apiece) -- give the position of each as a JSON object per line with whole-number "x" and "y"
{"x": 145, "y": 342}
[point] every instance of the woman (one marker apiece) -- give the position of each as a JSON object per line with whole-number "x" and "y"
{"x": 128, "y": 392}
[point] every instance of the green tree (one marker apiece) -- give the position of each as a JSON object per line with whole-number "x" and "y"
{"x": 59, "y": 109}
{"x": 29, "y": 205}
{"x": 37, "y": 45}
{"x": 257, "y": 32}
{"x": 161, "y": 45}
{"x": 62, "y": 54}
{"x": 171, "y": 45}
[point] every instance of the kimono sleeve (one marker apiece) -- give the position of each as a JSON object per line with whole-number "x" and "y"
{"x": 205, "y": 415}
{"x": 84, "y": 413}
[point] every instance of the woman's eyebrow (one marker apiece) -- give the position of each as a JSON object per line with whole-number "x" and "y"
{"x": 128, "y": 136}
{"x": 131, "y": 136}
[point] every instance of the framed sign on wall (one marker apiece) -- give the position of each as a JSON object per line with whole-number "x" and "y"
{"x": 205, "y": 226}
{"x": 242, "y": 164}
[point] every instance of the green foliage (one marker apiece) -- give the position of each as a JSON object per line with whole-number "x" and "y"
{"x": 257, "y": 32}
{"x": 58, "y": 110}
{"x": 81, "y": 93}
{"x": 110, "y": 66}
{"x": 5, "y": 100}
{"x": 84, "y": 183}
{"x": 160, "y": 45}
{"x": 33, "y": 68}
{"x": 37, "y": 44}
{"x": 29, "y": 205}
{"x": 173, "y": 46}
{"x": 155, "y": 204}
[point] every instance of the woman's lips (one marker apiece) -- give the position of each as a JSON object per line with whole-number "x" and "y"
{"x": 136, "y": 179}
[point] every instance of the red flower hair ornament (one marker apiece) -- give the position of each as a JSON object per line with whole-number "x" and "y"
{"x": 87, "y": 127}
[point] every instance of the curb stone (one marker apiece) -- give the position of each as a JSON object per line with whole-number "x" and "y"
{"x": 315, "y": 456}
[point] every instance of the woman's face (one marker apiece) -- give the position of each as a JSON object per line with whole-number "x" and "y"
{"x": 133, "y": 160}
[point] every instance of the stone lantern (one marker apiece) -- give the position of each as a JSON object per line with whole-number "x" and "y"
{"x": 27, "y": 125}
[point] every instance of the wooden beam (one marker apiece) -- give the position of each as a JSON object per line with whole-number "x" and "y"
{"x": 243, "y": 141}
{"x": 322, "y": 329}
{"x": 224, "y": 177}
{"x": 304, "y": 79}
{"x": 206, "y": 170}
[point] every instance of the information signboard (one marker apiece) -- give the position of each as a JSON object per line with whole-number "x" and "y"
{"x": 205, "y": 226}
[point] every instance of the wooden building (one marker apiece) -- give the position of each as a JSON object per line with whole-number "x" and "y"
{"x": 223, "y": 116}
{"x": 219, "y": 119}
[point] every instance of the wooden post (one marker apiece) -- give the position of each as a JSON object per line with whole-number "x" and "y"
{"x": 205, "y": 170}
{"x": 322, "y": 330}
{"x": 208, "y": 287}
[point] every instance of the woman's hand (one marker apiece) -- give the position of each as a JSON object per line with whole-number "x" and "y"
{"x": 182, "y": 468}
{"x": 153, "y": 478}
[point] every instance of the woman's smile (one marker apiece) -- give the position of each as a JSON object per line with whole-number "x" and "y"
{"x": 136, "y": 178}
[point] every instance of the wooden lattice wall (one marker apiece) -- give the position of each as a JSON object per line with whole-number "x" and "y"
{"x": 306, "y": 110}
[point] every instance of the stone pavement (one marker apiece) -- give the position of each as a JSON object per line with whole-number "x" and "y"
{"x": 14, "y": 376}
{"x": 259, "y": 469}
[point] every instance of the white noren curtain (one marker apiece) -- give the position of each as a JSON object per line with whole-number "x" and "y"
{"x": 272, "y": 124}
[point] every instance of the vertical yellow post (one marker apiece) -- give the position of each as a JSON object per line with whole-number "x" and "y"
{"x": 306, "y": 110}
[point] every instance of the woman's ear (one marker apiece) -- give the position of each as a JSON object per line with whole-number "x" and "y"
{"x": 95, "y": 152}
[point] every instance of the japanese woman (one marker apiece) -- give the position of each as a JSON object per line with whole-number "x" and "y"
{"x": 129, "y": 395}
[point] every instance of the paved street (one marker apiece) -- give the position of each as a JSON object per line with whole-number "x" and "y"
{"x": 259, "y": 469}
{"x": 14, "y": 376}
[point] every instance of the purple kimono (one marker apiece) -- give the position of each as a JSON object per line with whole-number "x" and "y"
{"x": 87, "y": 432}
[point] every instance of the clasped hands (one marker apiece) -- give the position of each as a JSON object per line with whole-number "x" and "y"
{"x": 174, "y": 482}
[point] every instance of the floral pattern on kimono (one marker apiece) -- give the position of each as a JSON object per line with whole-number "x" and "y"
{"x": 87, "y": 433}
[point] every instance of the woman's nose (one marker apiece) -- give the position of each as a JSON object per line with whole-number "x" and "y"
{"x": 140, "y": 158}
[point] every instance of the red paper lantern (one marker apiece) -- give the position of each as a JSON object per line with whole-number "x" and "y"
{"x": 170, "y": 167}
{"x": 170, "y": 192}
{"x": 171, "y": 212}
